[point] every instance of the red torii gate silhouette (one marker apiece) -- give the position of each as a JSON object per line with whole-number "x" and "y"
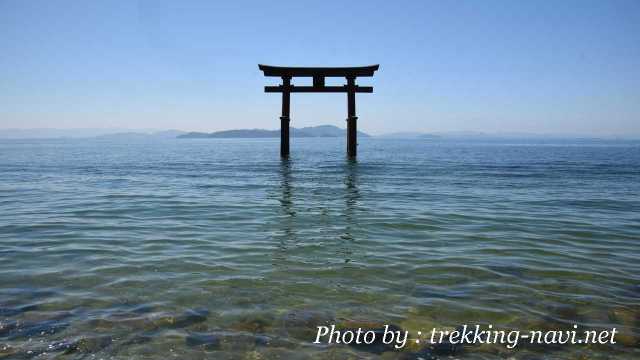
{"x": 319, "y": 74}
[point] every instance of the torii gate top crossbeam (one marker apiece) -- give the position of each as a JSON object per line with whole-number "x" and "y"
{"x": 292, "y": 71}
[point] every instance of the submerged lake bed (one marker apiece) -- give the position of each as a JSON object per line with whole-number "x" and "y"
{"x": 217, "y": 248}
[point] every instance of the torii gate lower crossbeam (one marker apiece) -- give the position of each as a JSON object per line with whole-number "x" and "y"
{"x": 319, "y": 74}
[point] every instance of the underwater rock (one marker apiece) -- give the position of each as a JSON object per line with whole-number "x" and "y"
{"x": 419, "y": 321}
{"x": 495, "y": 350}
{"x": 204, "y": 341}
{"x": 39, "y": 316}
{"x": 303, "y": 324}
{"x": 424, "y": 354}
{"x": 266, "y": 341}
{"x": 632, "y": 291}
{"x": 262, "y": 340}
{"x": 199, "y": 327}
{"x": 306, "y": 317}
{"x": 27, "y": 330}
{"x": 89, "y": 345}
{"x": 60, "y": 346}
{"x": 433, "y": 352}
{"x": 627, "y": 337}
{"x": 188, "y": 318}
{"x": 337, "y": 353}
{"x": 252, "y": 355}
{"x": 624, "y": 316}
{"x": 269, "y": 354}
{"x": 13, "y": 311}
{"x": 238, "y": 342}
{"x": 254, "y": 324}
{"x": 275, "y": 353}
{"x": 7, "y": 350}
{"x": 30, "y": 352}
{"x": 102, "y": 324}
{"x": 445, "y": 348}
{"x": 138, "y": 317}
{"x": 138, "y": 322}
{"x": 628, "y": 322}
{"x": 566, "y": 313}
{"x": 138, "y": 339}
{"x": 135, "y": 323}
{"x": 244, "y": 342}
{"x": 7, "y": 326}
{"x": 32, "y": 293}
{"x": 141, "y": 309}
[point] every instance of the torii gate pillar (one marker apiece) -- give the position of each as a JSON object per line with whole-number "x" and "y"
{"x": 284, "y": 119}
{"x": 352, "y": 119}
{"x": 319, "y": 75}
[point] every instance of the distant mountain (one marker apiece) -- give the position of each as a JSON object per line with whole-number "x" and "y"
{"x": 168, "y": 134}
{"x": 322, "y": 131}
{"x": 314, "y": 131}
{"x": 246, "y": 133}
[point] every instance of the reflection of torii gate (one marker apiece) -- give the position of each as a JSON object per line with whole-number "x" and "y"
{"x": 318, "y": 74}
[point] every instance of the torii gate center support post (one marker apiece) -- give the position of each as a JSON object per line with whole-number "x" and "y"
{"x": 319, "y": 74}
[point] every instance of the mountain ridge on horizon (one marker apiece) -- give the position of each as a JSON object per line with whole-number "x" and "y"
{"x": 311, "y": 131}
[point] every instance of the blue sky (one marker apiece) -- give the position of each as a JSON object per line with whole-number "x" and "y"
{"x": 493, "y": 66}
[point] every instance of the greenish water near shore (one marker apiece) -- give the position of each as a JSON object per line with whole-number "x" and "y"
{"x": 216, "y": 248}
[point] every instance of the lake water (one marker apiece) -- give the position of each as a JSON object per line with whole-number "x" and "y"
{"x": 215, "y": 248}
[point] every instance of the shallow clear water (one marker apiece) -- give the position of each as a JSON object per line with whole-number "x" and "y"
{"x": 218, "y": 249}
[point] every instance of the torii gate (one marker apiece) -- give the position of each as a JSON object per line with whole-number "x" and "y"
{"x": 319, "y": 74}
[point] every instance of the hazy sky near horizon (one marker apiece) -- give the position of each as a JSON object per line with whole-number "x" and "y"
{"x": 493, "y": 66}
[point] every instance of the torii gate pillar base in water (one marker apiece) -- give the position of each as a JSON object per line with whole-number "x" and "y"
{"x": 319, "y": 74}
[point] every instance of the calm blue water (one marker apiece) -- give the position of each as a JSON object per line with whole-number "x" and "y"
{"x": 218, "y": 249}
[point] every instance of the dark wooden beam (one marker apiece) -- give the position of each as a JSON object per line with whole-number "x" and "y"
{"x": 318, "y": 81}
{"x": 312, "y": 89}
{"x": 352, "y": 119}
{"x": 292, "y": 71}
{"x": 285, "y": 118}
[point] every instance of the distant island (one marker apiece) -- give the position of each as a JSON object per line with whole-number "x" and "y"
{"x": 314, "y": 131}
